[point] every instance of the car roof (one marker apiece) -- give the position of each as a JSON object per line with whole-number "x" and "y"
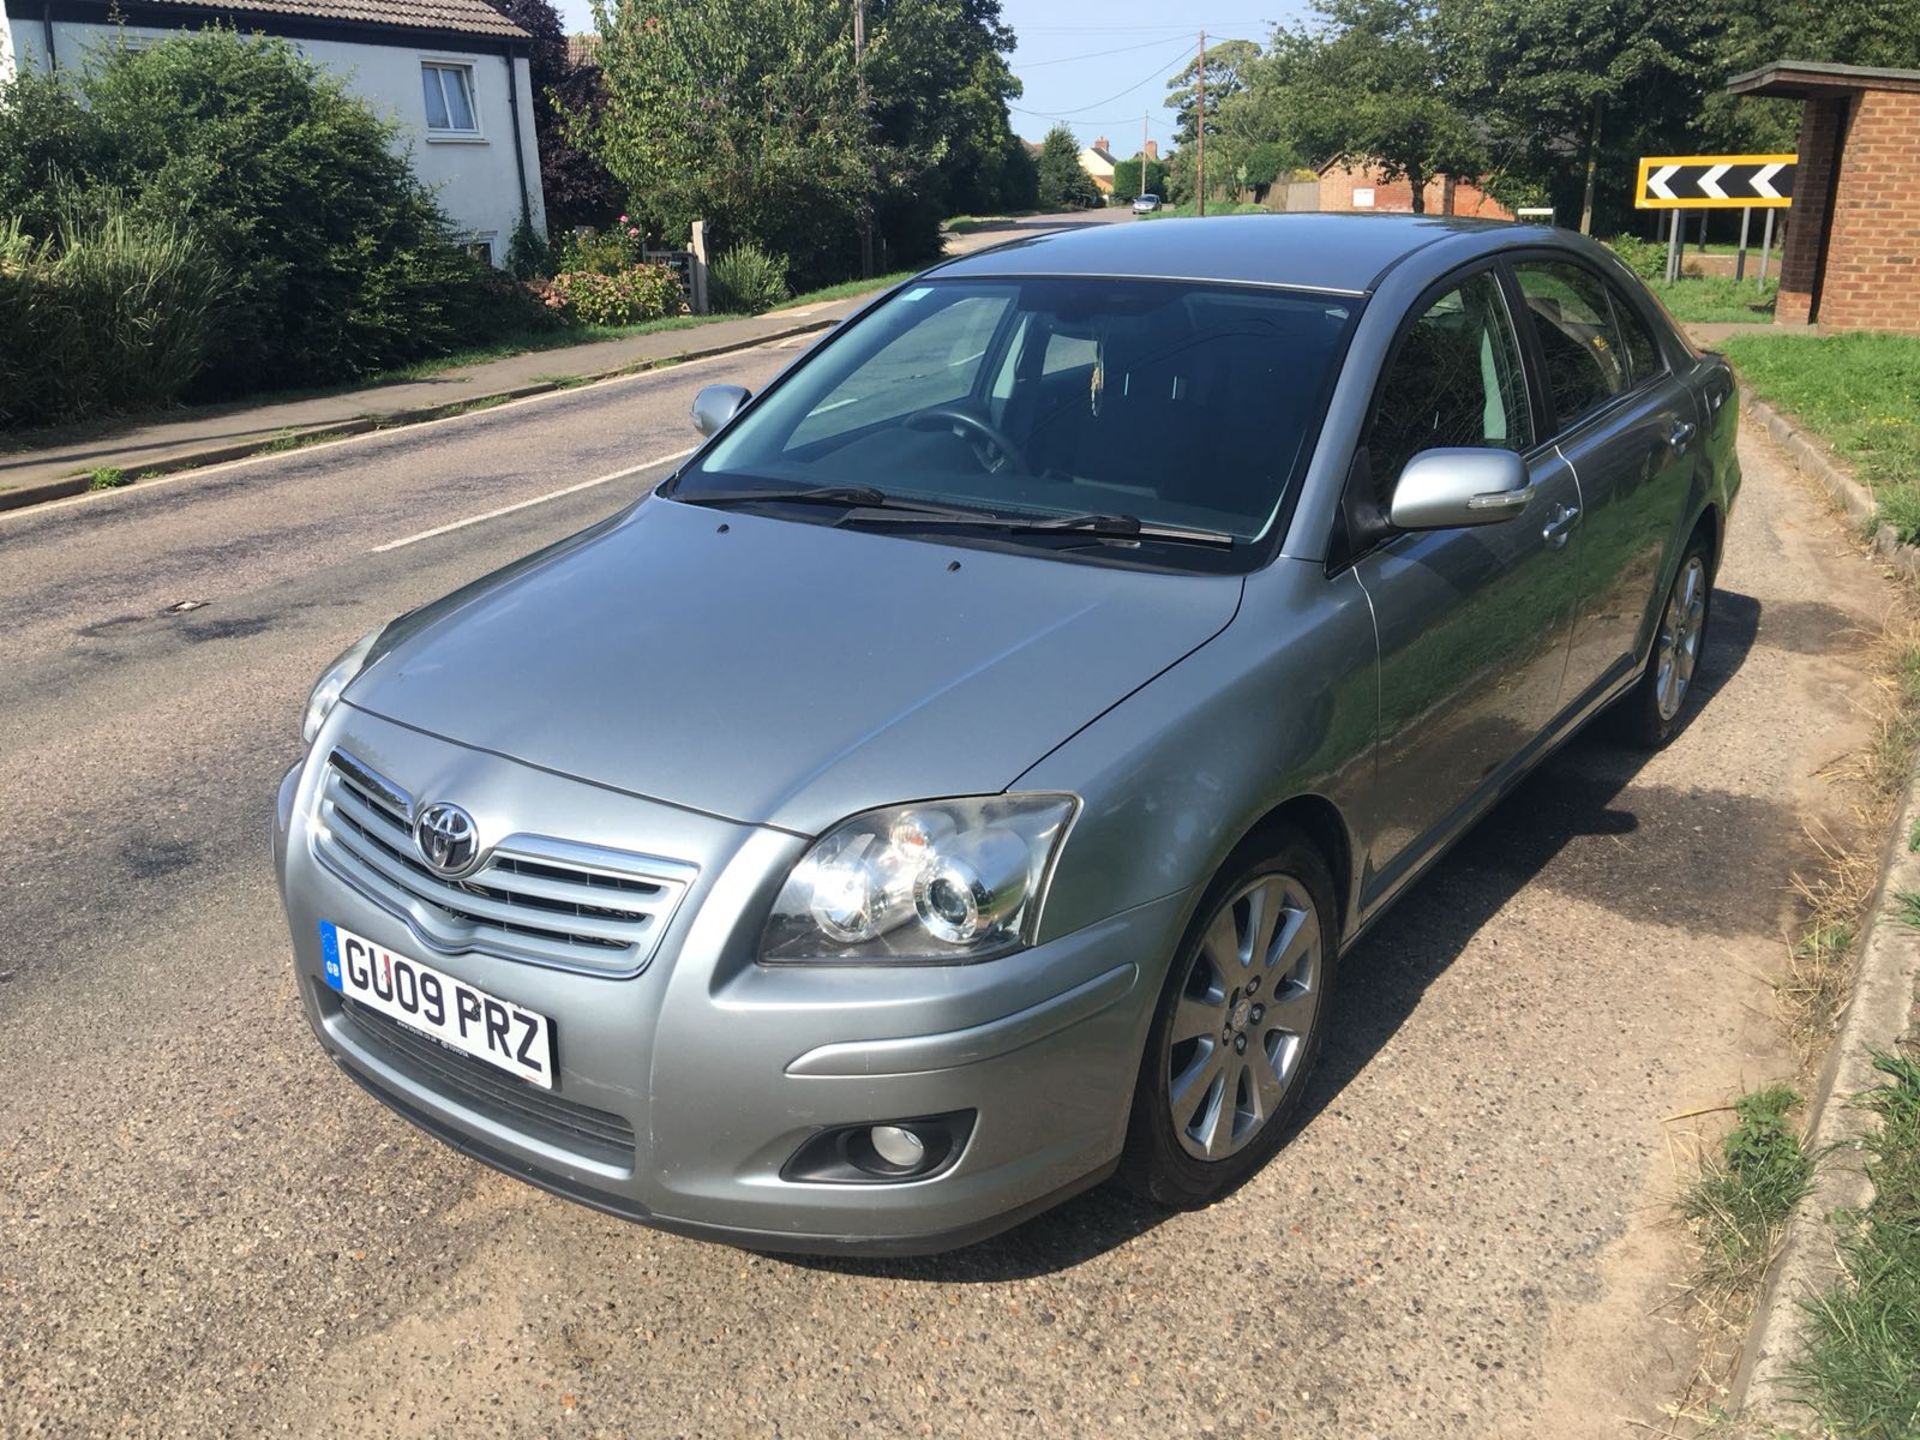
{"x": 1312, "y": 251}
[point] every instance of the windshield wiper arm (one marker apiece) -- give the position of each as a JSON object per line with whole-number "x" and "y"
{"x": 797, "y": 494}
{"x": 868, "y": 496}
{"x": 1100, "y": 525}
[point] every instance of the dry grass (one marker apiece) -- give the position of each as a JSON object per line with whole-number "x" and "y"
{"x": 1837, "y": 890}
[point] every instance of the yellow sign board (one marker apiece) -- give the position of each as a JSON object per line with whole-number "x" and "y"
{"x": 1714, "y": 182}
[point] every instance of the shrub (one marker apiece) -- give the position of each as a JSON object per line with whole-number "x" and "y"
{"x": 1645, "y": 258}
{"x": 338, "y": 260}
{"x": 641, "y": 292}
{"x": 528, "y": 256}
{"x": 746, "y": 280}
{"x": 603, "y": 252}
{"x": 110, "y": 313}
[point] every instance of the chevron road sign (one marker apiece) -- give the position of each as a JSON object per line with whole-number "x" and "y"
{"x": 1714, "y": 182}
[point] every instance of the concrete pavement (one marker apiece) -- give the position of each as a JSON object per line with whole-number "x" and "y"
{"x": 204, "y": 1229}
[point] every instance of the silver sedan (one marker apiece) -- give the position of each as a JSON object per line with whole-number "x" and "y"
{"x": 962, "y": 779}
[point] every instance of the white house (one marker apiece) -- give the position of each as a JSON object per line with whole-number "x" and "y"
{"x": 452, "y": 73}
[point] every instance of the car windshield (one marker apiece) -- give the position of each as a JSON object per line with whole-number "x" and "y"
{"x": 1176, "y": 404}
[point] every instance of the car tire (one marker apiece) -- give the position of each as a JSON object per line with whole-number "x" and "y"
{"x": 1653, "y": 712}
{"x": 1205, "y": 1114}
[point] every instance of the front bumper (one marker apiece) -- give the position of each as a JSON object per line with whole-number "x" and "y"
{"x": 681, "y": 1091}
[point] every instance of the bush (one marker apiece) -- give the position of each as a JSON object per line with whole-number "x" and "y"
{"x": 746, "y": 280}
{"x": 603, "y": 252}
{"x": 338, "y": 260}
{"x": 641, "y": 292}
{"x": 528, "y": 256}
{"x": 1645, "y": 258}
{"x": 110, "y": 313}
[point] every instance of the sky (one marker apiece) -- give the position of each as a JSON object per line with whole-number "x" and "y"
{"x": 1098, "y": 67}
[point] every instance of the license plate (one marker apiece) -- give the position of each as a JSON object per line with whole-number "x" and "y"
{"x": 460, "y": 1016}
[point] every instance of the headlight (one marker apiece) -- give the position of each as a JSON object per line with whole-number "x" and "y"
{"x": 333, "y": 683}
{"x": 946, "y": 880}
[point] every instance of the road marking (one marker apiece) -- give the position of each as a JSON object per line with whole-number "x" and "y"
{"x": 536, "y": 500}
{"x": 142, "y": 487}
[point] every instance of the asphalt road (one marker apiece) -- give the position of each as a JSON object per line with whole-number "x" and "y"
{"x": 204, "y": 1229}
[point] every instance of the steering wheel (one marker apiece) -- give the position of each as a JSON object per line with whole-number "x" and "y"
{"x": 974, "y": 429}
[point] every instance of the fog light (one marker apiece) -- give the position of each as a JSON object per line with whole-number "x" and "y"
{"x": 897, "y": 1146}
{"x": 894, "y": 1152}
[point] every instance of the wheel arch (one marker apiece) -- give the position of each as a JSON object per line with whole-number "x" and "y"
{"x": 1326, "y": 828}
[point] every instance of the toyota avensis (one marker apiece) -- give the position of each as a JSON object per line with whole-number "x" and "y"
{"x": 961, "y": 779}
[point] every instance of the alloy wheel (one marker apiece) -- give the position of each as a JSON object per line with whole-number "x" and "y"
{"x": 1245, "y": 1012}
{"x": 1678, "y": 645}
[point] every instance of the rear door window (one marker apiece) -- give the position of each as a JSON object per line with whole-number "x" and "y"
{"x": 1585, "y": 360}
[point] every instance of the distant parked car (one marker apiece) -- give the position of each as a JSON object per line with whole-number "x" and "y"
{"x": 1146, "y": 204}
{"x": 963, "y": 778}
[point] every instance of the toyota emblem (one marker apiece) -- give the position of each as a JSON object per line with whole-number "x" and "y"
{"x": 447, "y": 839}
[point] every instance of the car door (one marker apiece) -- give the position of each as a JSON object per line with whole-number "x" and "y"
{"x": 1627, "y": 426}
{"x": 1472, "y": 623}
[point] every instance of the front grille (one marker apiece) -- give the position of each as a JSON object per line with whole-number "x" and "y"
{"x": 597, "y": 1135}
{"x": 532, "y": 898}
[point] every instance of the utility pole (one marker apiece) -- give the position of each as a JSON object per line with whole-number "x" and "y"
{"x": 1200, "y": 134}
{"x": 860, "y": 73}
{"x": 1143, "y": 152}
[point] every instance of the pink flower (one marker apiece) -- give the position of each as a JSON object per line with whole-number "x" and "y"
{"x": 623, "y": 219}
{"x": 634, "y": 233}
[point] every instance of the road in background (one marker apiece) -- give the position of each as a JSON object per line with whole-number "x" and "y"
{"x": 204, "y": 1228}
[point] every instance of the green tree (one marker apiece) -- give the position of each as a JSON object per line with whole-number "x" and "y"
{"x": 744, "y": 113}
{"x": 1545, "y": 75}
{"x": 1371, "y": 83}
{"x": 938, "y": 77}
{"x": 1064, "y": 183}
{"x": 1126, "y": 177}
{"x": 1228, "y": 63}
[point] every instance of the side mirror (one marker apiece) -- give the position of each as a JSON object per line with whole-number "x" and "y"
{"x": 1444, "y": 489}
{"x": 715, "y": 405}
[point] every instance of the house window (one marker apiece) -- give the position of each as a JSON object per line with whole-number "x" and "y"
{"x": 480, "y": 246}
{"x": 449, "y": 96}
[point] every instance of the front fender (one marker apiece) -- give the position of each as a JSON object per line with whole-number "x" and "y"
{"x": 1282, "y": 704}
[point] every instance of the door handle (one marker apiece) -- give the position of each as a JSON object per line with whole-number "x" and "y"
{"x": 1681, "y": 433}
{"x": 1556, "y": 530}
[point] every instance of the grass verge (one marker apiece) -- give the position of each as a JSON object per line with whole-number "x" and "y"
{"x": 1738, "y": 1207}
{"x": 1820, "y": 966}
{"x": 1861, "y": 1372}
{"x": 1860, "y": 393}
{"x": 1214, "y": 207}
{"x": 844, "y": 289}
{"x": 1717, "y": 300}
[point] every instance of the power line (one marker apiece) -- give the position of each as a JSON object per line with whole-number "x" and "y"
{"x": 1090, "y": 55}
{"x": 1159, "y": 72}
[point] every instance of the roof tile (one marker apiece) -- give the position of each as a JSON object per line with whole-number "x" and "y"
{"x": 466, "y": 17}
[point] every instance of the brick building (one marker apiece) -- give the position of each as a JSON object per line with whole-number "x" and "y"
{"x": 1359, "y": 187}
{"x": 1852, "y": 255}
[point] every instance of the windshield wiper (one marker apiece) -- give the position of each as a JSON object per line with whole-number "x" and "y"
{"x": 797, "y": 494}
{"x": 851, "y": 495}
{"x": 1100, "y": 525}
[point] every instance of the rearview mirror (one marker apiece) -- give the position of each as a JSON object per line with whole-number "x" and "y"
{"x": 715, "y": 405}
{"x": 1442, "y": 489}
